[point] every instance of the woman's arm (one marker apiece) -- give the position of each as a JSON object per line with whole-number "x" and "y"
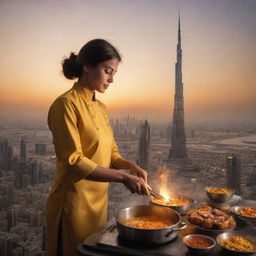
{"x": 134, "y": 183}
{"x": 134, "y": 169}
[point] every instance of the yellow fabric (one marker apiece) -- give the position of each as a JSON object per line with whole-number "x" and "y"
{"x": 83, "y": 139}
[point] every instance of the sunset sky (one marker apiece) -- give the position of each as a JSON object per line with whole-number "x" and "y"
{"x": 219, "y": 55}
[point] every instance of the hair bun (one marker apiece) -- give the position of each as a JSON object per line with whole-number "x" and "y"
{"x": 71, "y": 68}
{"x": 72, "y": 56}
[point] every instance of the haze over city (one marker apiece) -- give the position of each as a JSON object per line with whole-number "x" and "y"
{"x": 218, "y": 43}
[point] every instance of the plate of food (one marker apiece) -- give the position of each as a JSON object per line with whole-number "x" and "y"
{"x": 211, "y": 219}
{"x": 238, "y": 243}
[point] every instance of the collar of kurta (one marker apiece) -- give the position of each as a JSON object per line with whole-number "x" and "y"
{"x": 87, "y": 94}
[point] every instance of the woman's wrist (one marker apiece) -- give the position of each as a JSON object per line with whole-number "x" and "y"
{"x": 132, "y": 166}
{"x": 121, "y": 176}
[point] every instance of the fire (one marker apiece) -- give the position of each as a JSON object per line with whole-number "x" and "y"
{"x": 164, "y": 184}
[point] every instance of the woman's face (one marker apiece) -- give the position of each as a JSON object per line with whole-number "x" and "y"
{"x": 98, "y": 78}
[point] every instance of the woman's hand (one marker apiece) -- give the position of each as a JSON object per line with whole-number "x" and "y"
{"x": 137, "y": 180}
{"x": 135, "y": 184}
{"x": 138, "y": 171}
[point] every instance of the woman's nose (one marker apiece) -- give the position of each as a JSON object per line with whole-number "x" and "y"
{"x": 111, "y": 79}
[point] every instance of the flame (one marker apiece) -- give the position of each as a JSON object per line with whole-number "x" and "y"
{"x": 164, "y": 184}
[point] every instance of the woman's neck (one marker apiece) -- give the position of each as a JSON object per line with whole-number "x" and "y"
{"x": 83, "y": 81}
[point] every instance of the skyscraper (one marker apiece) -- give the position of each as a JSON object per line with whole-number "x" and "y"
{"x": 233, "y": 166}
{"x": 11, "y": 218}
{"x": 178, "y": 151}
{"x": 40, "y": 148}
{"x": 144, "y": 146}
{"x": 23, "y": 150}
{"x": 178, "y": 138}
{"x": 33, "y": 171}
{"x": 6, "y": 154}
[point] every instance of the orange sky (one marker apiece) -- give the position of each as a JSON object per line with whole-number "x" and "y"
{"x": 219, "y": 55}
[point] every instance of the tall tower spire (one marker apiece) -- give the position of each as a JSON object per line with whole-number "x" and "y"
{"x": 179, "y": 37}
{"x": 178, "y": 151}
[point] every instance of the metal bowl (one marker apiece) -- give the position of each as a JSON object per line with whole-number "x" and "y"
{"x": 199, "y": 251}
{"x": 247, "y": 235}
{"x": 248, "y": 220}
{"x": 149, "y": 236}
{"x": 180, "y": 209}
{"x": 219, "y": 197}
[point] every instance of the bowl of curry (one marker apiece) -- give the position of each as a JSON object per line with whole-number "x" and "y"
{"x": 149, "y": 224}
{"x": 199, "y": 244}
{"x": 219, "y": 195}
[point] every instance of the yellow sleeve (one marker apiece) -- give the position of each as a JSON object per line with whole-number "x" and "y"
{"x": 62, "y": 121}
{"x": 114, "y": 152}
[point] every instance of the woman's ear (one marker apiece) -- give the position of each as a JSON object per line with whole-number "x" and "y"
{"x": 85, "y": 68}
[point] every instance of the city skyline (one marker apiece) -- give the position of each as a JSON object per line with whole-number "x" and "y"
{"x": 218, "y": 47}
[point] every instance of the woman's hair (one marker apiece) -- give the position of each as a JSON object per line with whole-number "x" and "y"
{"x": 91, "y": 54}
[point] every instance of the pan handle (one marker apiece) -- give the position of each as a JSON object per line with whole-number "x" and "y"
{"x": 181, "y": 226}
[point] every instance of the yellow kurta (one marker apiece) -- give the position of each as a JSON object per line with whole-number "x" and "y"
{"x": 83, "y": 139}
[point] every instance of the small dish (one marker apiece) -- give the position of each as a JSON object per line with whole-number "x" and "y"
{"x": 219, "y": 197}
{"x": 199, "y": 244}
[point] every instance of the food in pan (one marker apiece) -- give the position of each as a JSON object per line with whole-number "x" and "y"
{"x": 248, "y": 212}
{"x": 148, "y": 222}
{"x": 238, "y": 243}
{"x": 220, "y": 190}
{"x": 198, "y": 242}
{"x": 174, "y": 201}
{"x": 210, "y": 218}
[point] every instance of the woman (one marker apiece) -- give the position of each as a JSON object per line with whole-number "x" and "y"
{"x": 87, "y": 155}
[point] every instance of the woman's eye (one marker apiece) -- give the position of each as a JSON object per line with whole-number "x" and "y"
{"x": 108, "y": 71}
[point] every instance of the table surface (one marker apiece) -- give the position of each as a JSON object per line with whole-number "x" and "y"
{"x": 105, "y": 241}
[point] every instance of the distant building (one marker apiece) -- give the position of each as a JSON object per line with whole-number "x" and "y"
{"x": 11, "y": 218}
{"x": 9, "y": 160}
{"x": 40, "y": 149}
{"x": 144, "y": 146}
{"x": 19, "y": 171}
{"x": 8, "y": 242}
{"x": 6, "y": 155}
{"x": 33, "y": 171}
{"x": 23, "y": 150}
{"x": 168, "y": 133}
{"x": 6, "y": 196}
{"x": 233, "y": 166}
{"x": 17, "y": 252}
{"x": 3, "y": 147}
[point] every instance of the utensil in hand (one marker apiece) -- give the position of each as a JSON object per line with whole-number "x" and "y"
{"x": 153, "y": 193}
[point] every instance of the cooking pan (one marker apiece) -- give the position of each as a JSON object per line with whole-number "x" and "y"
{"x": 151, "y": 236}
{"x": 180, "y": 209}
